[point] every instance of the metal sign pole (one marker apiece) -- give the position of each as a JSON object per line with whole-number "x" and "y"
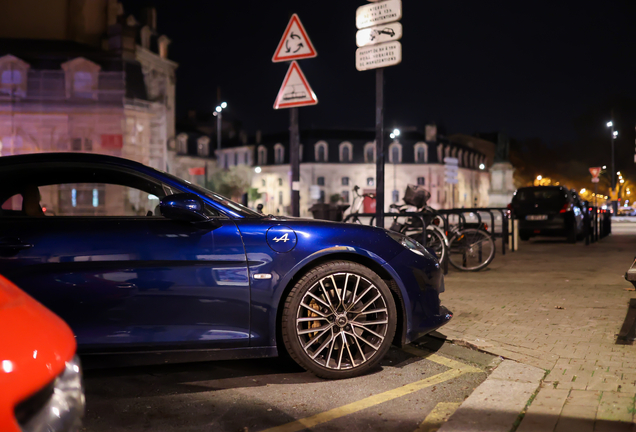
{"x": 379, "y": 146}
{"x": 294, "y": 161}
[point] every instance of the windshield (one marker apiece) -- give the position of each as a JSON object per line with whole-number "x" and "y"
{"x": 540, "y": 194}
{"x": 221, "y": 200}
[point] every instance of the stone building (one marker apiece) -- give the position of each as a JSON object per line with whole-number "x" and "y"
{"x": 78, "y": 75}
{"x": 334, "y": 161}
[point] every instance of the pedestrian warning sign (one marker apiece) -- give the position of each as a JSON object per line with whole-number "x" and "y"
{"x": 295, "y": 91}
{"x": 295, "y": 44}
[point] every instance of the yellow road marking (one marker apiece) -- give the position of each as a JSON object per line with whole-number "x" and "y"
{"x": 309, "y": 422}
{"x": 436, "y": 418}
{"x": 436, "y": 358}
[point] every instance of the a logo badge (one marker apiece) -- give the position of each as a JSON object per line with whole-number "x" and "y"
{"x": 281, "y": 238}
{"x": 284, "y": 238}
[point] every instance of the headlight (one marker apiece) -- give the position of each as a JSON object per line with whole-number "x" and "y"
{"x": 65, "y": 407}
{"x": 410, "y": 244}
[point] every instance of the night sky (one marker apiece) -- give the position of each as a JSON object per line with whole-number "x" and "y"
{"x": 533, "y": 69}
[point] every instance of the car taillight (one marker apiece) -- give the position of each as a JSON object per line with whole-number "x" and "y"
{"x": 565, "y": 208}
{"x": 509, "y": 206}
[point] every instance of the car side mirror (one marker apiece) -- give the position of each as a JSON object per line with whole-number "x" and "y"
{"x": 184, "y": 207}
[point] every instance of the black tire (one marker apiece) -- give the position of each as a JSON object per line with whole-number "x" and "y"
{"x": 471, "y": 249}
{"x": 332, "y": 327}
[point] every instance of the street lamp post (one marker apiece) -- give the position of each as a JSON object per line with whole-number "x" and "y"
{"x": 610, "y": 124}
{"x": 218, "y": 114}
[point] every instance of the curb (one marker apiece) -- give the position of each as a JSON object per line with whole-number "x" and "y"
{"x": 496, "y": 404}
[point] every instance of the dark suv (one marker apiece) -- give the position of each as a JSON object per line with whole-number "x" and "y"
{"x": 548, "y": 211}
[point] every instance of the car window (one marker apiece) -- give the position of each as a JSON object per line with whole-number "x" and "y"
{"x": 66, "y": 192}
{"x": 540, "y": 194}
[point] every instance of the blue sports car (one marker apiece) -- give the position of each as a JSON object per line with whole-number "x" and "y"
{"x": 140, "y": 262}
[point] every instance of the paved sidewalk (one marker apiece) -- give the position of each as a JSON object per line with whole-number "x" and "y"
{"x": 559, "y": 307}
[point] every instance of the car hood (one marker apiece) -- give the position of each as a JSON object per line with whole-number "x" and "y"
{"x": 35, "y": 345}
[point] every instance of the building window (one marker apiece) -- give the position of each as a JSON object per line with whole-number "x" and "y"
{"x": 280, "y": 198}
{"x": 83, "y": 84}
{"x": 345, "y": 196}
{"x": 460, "y": 158}
{"x": 247, "y": 158}
{"x": 279, "y": 154}
{"x": 280, "y": 181}
{"x": 421, "y": 181}
{"x": 321, "y": 152}
{"x": 81, "y": 144}
{"x": 369, "y": 153}
{"x": 345, "y": 181}
{"x": 370, "y": 181}
{"x": 182, "y": 143}
{"x": 203, "y": 146}
{"x": 421, "y": 153}
{"x": 322, "y": 196}
{"x": 11, "y": 77}
{"x": 345, "y": 152}
{"x": 226, "y": 165}
{"x": 236, "y": 159}
{"x": 396, "y": 196}
{"x": 263, "y": 182}
{"x": 320, "y": 181}
{"x": 395, "y": 152}
{"x": 262, "y": 155}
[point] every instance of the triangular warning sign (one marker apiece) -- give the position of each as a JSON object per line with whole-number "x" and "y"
{"x": 295, "y": 91}
{"x": 295, "y": 44}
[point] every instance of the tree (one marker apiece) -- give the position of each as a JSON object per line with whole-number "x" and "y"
{"x": 232, "y": 182}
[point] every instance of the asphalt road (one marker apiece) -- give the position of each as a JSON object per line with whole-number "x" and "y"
{"x": 255, "y": 395}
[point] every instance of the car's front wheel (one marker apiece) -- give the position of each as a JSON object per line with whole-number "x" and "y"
{"x": 339, "y": 320}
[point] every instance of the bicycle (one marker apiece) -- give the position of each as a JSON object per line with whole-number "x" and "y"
{"x": 358, "y": 200}
{"x": 469, "y": 248}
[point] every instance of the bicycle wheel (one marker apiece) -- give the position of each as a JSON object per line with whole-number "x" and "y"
{"x": 435, "y": 241}
{"x": 471, "y": 249}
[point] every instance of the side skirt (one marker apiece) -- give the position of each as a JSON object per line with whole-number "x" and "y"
{"x": 95, "y": 360}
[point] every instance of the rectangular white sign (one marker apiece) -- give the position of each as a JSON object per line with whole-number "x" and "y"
{"x": 379, "y": 34}
{"x": 451, "y": 180}
{"x": 378, "y": 13}
{"x": 451, "y": 161}
{"x": 377, "y": 56}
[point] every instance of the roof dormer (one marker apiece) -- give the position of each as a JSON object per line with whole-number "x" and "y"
{"x": 13, "y": 76}
{"x": 82, "y": 77}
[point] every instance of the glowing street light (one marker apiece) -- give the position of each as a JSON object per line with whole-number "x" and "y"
{"x": 482, "y": 166}
{"x": 257, "y": 170}
{"x": 539, "y": 177}
{"x": 219, "y": 116}
{"x": 610, "y": 124}
{"x": 604, "y": 166}
{"x": 622, "y": 181}
{"x": 615, "y": 134}
{"x": 583, "y": 190}
{"x": 395, "y": 133}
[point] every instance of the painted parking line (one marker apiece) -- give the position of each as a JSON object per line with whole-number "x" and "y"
{"x": 436, "y": 358}
{"x": 456, "y": 369}
{"x": 436, "y": 418}
{"x": 323, "y": 417}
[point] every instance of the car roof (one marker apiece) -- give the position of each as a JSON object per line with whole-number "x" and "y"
{"x": 67, "y": 157}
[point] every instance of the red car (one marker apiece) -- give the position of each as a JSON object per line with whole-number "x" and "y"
{"x": 40, "y": 376}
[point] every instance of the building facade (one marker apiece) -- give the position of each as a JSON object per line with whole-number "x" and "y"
{"x": 333, "y": 162}
{"x": 70, "y": 91}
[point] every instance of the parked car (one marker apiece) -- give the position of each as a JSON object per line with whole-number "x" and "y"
{"x": 140, "y": 262}
{"x": 548, "y": 211}
{"x": 40, "y": 377}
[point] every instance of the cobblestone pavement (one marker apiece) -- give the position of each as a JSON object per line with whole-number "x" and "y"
{"x": 559, "y": 307}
